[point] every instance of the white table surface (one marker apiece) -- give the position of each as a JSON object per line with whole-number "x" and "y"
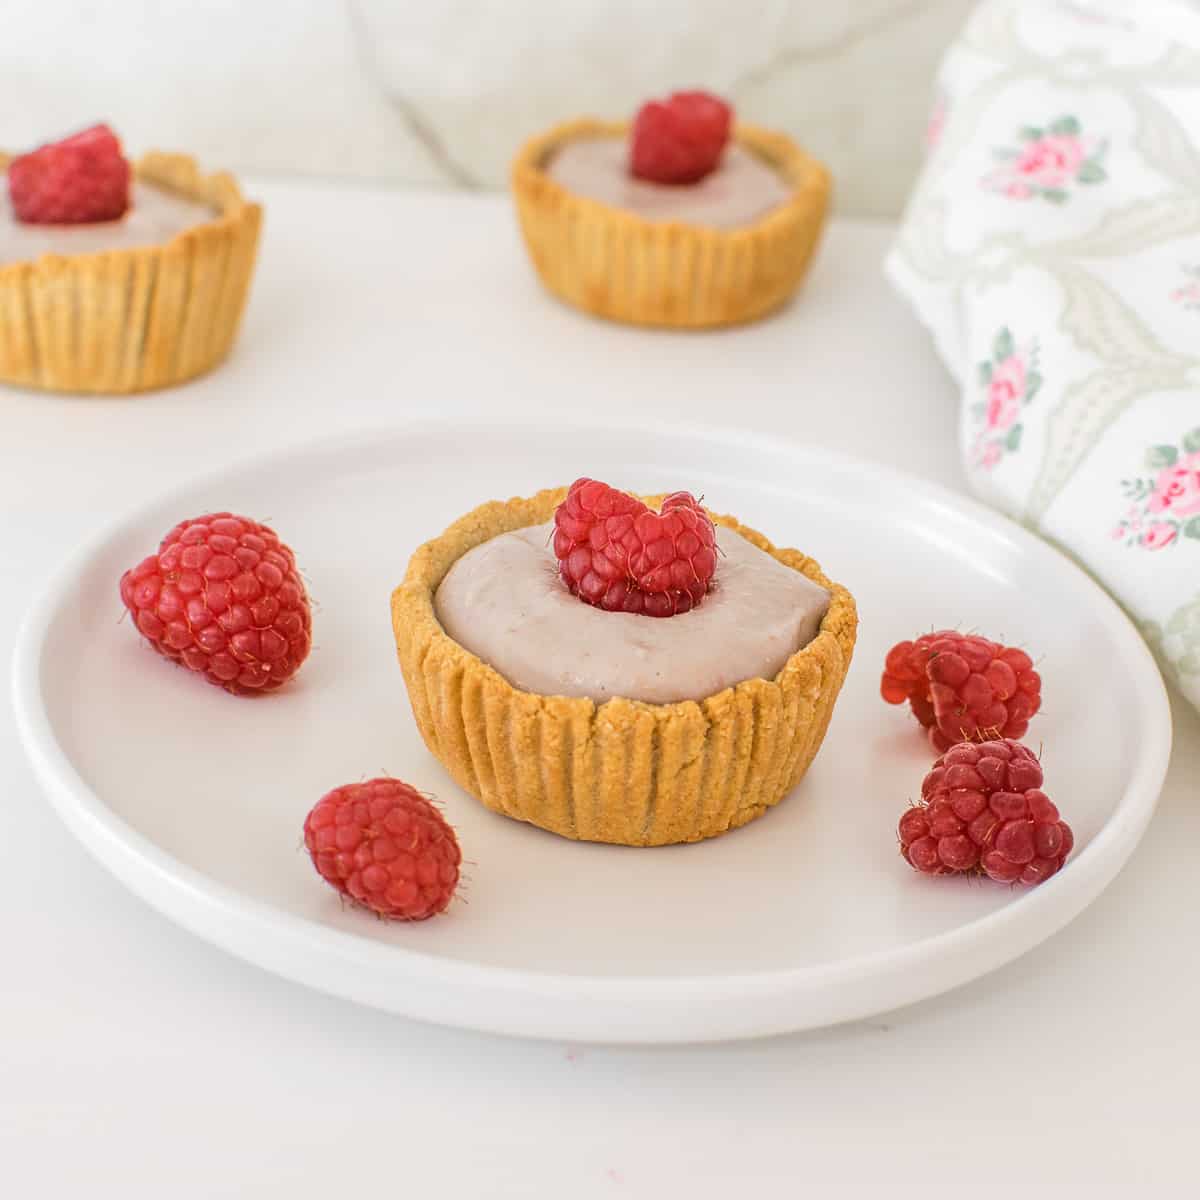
{"x": 137, "y": 1061}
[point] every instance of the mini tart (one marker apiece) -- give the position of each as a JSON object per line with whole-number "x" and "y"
{"x": 617, "y": 264}
{"x": 624, "y": 772}
{"x": 131, "y": 319}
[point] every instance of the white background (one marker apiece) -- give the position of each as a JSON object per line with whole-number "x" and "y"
{"x": 445, "y": 92}
{"x": 135, "y": 1061}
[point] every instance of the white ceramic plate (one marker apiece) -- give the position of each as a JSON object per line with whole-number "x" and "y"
{"x": 807, "y": 917}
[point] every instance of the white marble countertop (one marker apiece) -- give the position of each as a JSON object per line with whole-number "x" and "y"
{"x": 137, "y": 1061}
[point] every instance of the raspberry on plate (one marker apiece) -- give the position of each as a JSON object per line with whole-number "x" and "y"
{"x": 963, "y": 687}
{"x": 81, "y": 179}
{"x": 386, "y": 847}
{"x": 680, "y": 139}
{"x": 983, "y": 811}
{"x": 617, "y": 554}
{"x": 222, "y": 597}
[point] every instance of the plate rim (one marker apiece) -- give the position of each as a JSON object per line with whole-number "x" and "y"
{"x": 195, "y": 900}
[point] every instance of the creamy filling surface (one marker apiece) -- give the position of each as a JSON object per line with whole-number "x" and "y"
{"x": 505, "y": 603}
{"x": 740, "y": 191}
{"x": 155, "y": 216}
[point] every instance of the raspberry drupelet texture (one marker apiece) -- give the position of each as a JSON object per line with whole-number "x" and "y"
{"x": 680, "y": 139}
{"x": 983, "y": 811}
{"x": 385, "y": 846}
{"x": 617, "y": 554}
{"x": 222, "y": 597}
{"x": 82, "y": 178}
{"x": 963, "y": 687}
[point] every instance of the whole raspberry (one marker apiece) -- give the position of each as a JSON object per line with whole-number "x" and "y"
{"x": 222, "y": 597}
{"x": 963, "y": 688}
{"x": 680, "y": 139}
{"x": 619, "y": 555}
{"x": 83, "y": 178}
{"x": 385, "y": 846}
{"x": 982, "y": 810}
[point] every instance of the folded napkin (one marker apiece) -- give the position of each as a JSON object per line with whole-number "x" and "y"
{"x": 1052, "y": 247}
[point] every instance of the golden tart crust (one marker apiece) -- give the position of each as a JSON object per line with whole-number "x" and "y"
{"x": 616, "y": 264}
{"x": 624, "y": 771}
{"x": 131, "y": 319}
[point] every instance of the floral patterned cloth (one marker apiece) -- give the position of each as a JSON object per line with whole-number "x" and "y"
{"x": 1052, "y": 247}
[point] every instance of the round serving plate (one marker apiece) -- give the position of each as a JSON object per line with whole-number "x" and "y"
{"x": 806, "y": 917}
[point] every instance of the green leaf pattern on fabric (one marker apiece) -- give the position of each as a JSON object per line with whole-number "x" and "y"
{"x": 1176, "y": 641}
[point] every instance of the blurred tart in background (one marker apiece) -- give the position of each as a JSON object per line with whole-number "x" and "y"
{"x": 116, "y": 276}
{"x": 681, "y": 219}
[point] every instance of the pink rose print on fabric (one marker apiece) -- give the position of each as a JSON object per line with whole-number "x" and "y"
{"x": 1187, "y": 295}
{"x": 1177, "y": 488}
{"x": 1047, "y": 163}
{"x": 1159, "y": 534}
{"x": 1006, "y": 390}
{"x": 1166, "y": 504}
{"x": 989, "y": 455}
{"x": 1010, "y": 380}
{"x": 1085, "y": 14}
{"x": 936, "y": 124}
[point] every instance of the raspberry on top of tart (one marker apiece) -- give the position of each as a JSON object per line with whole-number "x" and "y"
{"x": 83, "y": 178}
{"x": 679, "y": 162}
{"x": 680, "y": 139}
{"x": 79, "y": 196}
{"x": 615, "y": 552}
